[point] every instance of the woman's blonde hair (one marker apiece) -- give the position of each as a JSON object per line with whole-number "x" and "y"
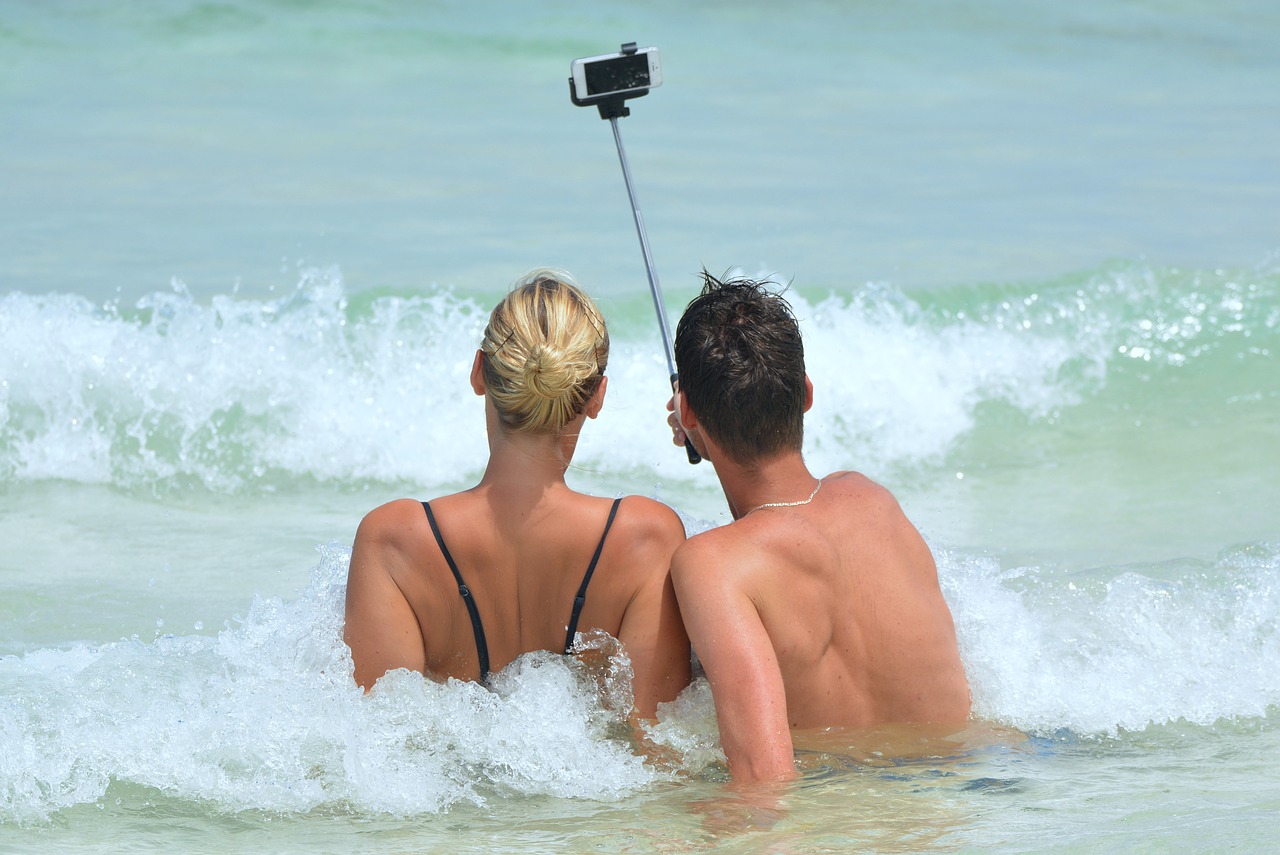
{"x": 544, "y": 351}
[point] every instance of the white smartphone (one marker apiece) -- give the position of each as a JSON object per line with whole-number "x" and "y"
{"x": 616, "y": 73}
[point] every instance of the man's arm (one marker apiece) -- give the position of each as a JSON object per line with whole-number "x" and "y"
{"x": 380, "y": 626}
{"x": 738, "y": 656}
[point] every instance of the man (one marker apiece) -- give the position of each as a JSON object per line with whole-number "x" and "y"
{"x": 819, "y": 605}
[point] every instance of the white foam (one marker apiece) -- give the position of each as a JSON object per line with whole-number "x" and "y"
{"x": 243, "y": 392}
{"x": 1119, "y": 650}
{"x": 266, "y": 716}
{"x": 894, "y": 386}
{"x": 228, "y": 393}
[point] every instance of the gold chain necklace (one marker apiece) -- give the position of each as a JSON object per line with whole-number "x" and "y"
{"x": 788, "y": 504}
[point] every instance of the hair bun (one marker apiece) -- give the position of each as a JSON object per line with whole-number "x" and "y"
{"x": 548, "y": 374}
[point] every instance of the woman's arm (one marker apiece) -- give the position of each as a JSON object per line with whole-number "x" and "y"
{"x": 381, "y": 628}
{"x": 652, "y": 631}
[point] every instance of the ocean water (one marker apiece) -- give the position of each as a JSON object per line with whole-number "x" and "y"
{"x": 246, "y": 253}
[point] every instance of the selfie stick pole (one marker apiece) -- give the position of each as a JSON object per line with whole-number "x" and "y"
{"x": 613, "y": 108}
{"x": 654, "y": 288}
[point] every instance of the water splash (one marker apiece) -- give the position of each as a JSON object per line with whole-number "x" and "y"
{"x": 266, "y": 716}
{"x": 1123, "y": 649}
{"x": 246, "y": 394}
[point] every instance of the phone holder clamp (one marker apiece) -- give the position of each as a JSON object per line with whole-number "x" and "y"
{"x": 612, "y": 106}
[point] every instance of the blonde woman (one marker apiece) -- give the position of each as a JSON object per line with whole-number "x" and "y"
{"x": 462, "y": 585}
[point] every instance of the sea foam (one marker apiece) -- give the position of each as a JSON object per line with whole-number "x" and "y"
{"x": 248, "y": 394}
{"x": 1121, "y": 649}
{"x": 266, "y": 716}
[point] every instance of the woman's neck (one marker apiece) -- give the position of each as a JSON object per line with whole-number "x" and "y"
{"x": 528, "y": 464}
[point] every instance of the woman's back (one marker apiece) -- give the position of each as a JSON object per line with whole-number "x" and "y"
{"x": 522, "y": 574}
{"x": 523, "y": 564}
{"x": 521, "y": 541}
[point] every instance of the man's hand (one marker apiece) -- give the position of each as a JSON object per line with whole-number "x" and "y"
{"x": 758, "y": 807}
{"x": 677, "y": 432}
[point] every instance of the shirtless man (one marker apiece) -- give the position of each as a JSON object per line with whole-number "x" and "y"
{"x": 819, "y": 606}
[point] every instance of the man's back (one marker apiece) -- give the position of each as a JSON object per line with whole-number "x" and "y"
{"x": 852, "y": 605}
{"x": 836, "y": 601}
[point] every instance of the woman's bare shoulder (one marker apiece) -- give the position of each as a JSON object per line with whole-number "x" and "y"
{"x": 646, "y": 531}
{"x": 645, "y": 516}
{"x": 395, "y": 524}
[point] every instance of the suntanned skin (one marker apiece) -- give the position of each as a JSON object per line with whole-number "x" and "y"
{"x": 522, "y": 540}
{"x": 826, "y": 614}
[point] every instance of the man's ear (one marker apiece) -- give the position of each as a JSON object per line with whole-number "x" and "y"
{"x": 596, "y": 401}
{"x": 477, "y": 373}
{"x": 684, "y": 413}
{"x": 688, "y": 421}
{"x": 808, "y": 393}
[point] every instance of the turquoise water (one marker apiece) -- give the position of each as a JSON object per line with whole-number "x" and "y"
{"x": 246, "y": 251}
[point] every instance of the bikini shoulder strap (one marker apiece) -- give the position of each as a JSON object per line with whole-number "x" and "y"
{"x": 581, "y": 598}
{"x": 477, "y": 628}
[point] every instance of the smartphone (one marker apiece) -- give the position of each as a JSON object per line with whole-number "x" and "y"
{"x": 616, "y": 73}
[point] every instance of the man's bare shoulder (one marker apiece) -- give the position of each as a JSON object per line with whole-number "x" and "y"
{"x": 858, "y": 486}
{"x": 721, "y": 556}
{"x": 883, "y": 532}
{"x": 873, "y": 502}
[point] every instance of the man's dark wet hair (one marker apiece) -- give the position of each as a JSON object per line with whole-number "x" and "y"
{"x": 741, "y": 365}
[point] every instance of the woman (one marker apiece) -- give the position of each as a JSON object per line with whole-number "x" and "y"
{"x": 462, "y": 585}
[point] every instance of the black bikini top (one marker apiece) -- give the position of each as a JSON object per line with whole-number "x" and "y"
{"x": 477, "y": 628}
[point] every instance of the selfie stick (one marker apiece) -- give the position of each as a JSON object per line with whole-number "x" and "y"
{"x": 613, "y": 107}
